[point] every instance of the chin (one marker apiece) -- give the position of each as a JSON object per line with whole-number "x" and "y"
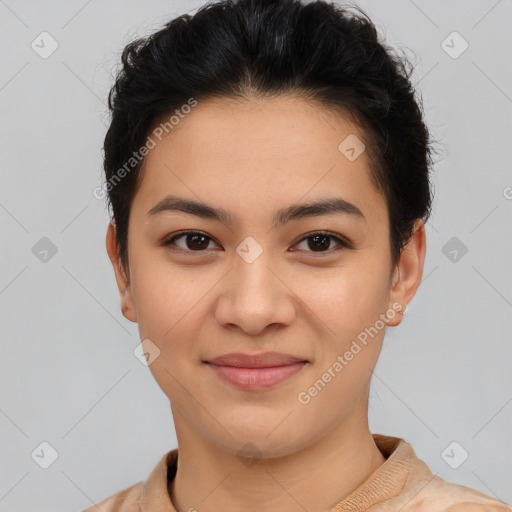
{"x": 250, "y": 450}
{"x": 263, "y": 441}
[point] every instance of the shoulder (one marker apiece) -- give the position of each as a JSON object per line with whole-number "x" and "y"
{"x": 151, "y": 493}
{"x": 126, "y": 500}
{"x": 442, "y": 496}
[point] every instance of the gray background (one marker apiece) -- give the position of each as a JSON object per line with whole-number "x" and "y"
{"x": 67, "y": 372}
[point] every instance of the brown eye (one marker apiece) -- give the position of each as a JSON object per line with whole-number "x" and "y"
{"x": 193, "y": 241}
{"x": 320, "y": 242}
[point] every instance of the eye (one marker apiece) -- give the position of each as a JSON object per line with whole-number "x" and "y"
{"x": 320, "y": 240}
{"x": 194, "y": 241}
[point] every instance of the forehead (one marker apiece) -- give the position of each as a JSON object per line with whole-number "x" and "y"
{"x": 252, "y": 153}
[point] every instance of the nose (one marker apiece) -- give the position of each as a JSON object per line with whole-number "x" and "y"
{"x": 255, "y": 296}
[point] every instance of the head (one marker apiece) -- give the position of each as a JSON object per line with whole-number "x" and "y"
{"x": 229, "y": 125}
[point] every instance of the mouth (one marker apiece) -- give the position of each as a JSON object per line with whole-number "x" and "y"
{"x": 256, "y": 371}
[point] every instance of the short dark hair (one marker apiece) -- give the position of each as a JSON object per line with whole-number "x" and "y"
{"x": 235, "y": 49}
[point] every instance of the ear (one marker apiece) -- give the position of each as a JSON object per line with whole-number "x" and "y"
{"x": 409, "y": 271}
{"x": 122, "y": 279}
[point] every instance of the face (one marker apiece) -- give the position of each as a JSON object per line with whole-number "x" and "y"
{"x": 202, "y": 287}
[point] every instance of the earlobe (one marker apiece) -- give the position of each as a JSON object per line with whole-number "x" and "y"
{"x": 409, "y": 271}
{"x": 121, "y": 276}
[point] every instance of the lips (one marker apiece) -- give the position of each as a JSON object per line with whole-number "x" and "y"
{"x": 256, "y": 371}
{"x": 263, "y": 360}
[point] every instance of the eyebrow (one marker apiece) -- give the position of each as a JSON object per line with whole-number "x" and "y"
{"x": 327, "y": 206}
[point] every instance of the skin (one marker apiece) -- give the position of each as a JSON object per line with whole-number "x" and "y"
{"x": 251, "y": 158}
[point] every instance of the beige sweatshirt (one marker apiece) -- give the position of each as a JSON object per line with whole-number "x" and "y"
{"x": 403, "y": 483}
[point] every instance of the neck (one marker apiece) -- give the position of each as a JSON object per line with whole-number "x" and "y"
{"x": 315, "y": 478}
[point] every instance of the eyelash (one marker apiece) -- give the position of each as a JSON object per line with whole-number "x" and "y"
{"x": 342, "y": 243}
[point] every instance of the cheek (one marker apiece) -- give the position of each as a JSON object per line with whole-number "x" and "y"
{"x": 349, "y": 310}
{"x": 169, "y": 306}
{"x": 159, "y": 297}
{"x": 346, "y": 299}
{"x": 172, "y": 304}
